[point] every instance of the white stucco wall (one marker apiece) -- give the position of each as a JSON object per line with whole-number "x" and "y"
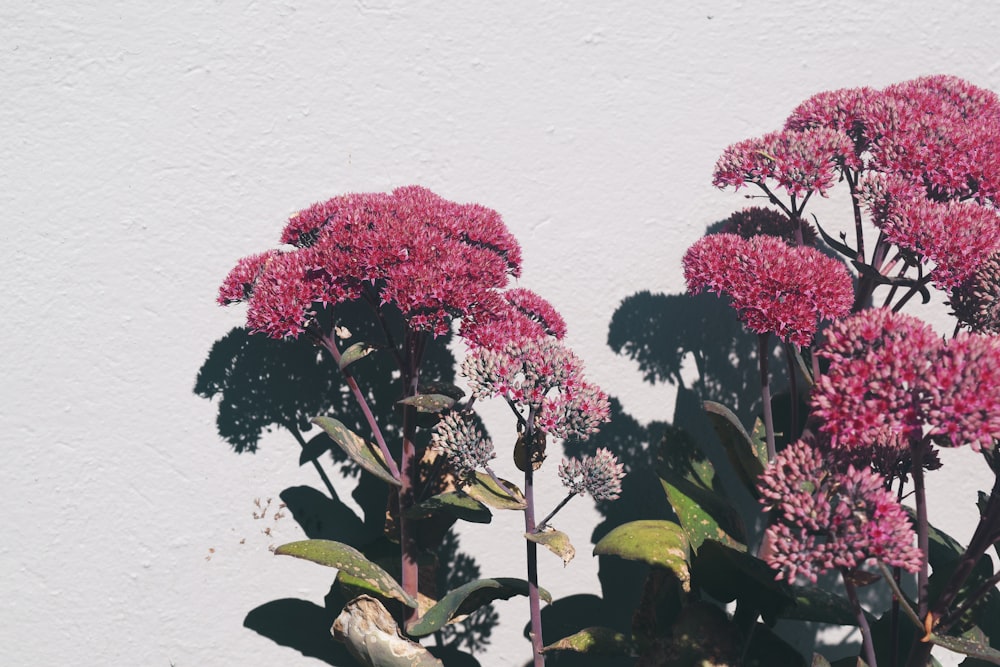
{"x": 145, "y": 149}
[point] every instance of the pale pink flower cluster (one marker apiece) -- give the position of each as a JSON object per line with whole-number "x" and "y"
{"x": 891, "y": 379}
{"x": 464, "y": 445}
{"x": 599, "y": 475}
{"x": 544, "y": 377}
{"x": 828, "y": 517}
{"x": 774, "y": 287}
{"x": 976, "y": 301}
{"x": 956, "y": 236}
{"x": 800, "y": 162}
{"x": 433, "y": 259}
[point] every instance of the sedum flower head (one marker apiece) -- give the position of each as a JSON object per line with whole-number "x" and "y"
{"x": 544, "y": 377}
{"x": 891, "y": 379}
{"x": 831, "y": 517}
{"x": 774, "y": 287}
{"x": 433, "y": 259}
{"x": 518, "y": 314}
{"x": 462, "y": 443}
{"x": 801, "y": 162}
{"x": 975, "y": 301}
{"x": 599, "y": 475}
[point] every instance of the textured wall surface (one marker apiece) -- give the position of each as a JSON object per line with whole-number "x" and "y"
{"x": 145, "y": 150}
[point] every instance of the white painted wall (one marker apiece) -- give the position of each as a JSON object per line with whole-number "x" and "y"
{"x": 145, "y": 149}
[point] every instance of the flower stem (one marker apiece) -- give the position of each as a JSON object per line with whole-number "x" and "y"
{"x": 541, "y": 524}
{"x": 866, "y": 631}
{"x": 534, "y": 603}
{"x": 765, "y": 394}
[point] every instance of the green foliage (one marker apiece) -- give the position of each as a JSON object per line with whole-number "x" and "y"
{"x": 467, "y": 598}
{"x": 460, "y": 505}
{"x": 595, "y": 641}
{"x": 362, "y": 452}
{"x": 659, "y": 543}
{"x": 555, "y": 541}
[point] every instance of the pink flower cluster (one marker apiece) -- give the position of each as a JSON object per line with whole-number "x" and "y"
{"x": 543, "y": 376}
{"x": 518, "y": 314}
{"x": 956, "y": 236}
{"x": 939, "y": 132}
{"x": 758, "y": 221}
{"x": 433, "y": 259}
{"x": 893, "y": 380}
{"x": 774, "y": 287}
{"x": 800, "y": 162}
{"x": 599, "y": 475}
{"x": 830, "y": 517}
{"x": 976, "y": 301}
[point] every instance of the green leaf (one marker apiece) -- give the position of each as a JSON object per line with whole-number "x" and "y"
{"x": 819, "y": 661}
{"x": 467, "y": 598}
{"x": 659, "y": 543}
{"x": 374, "y": 639}
{"x": 362, "y": 452}
{"x": 486, "y": 491}
{"x": 429, "y": 402}
{"x": 347, "y": 559}
{"x": 555, "y": 541}
{"x": 967, "y": 647}
{"x": 740, "y": 446}
{"x": 356, "y": 352}
{"x": 456, "y": 503}
{"x": 595, "y": 641}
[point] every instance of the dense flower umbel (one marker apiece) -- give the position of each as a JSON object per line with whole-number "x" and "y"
{"x": 800, "y": 162}
{"x": 828, "y": 517}
{"x": 518, "y": 315}
{"x": 544, "y": 377}
{"x": 431, "y": 258}
{"x": 465, "y": 446}
{"x": 976, "y": 301}
{"x": 955, "y": 236}
{"x": 758, "y": 221}
{"x": 599, "y": 475}
{"x": 774, "y": 287}
{"x": 892, "y": 379}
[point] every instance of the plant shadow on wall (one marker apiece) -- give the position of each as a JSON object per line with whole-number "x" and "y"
{"x": 261, "y": 384}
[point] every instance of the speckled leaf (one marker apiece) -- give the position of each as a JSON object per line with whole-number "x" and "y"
{"x": 456, "y": 503}
{"x": 660, "y": 543}
{"x": 347, "y": 559}
{"x": 467, "y": 598}
{"x": 356, "y": 352}
{"x": 595, "y": 641}
{"x": 739, "y": 444}
{"x": 362, "y": 452}
{"x": 486, "y": 491}
{"x": 704, "y": 515}
{"x": 555, "y": 541}
{"x": 371, "y": 635}
{"x": 968, "y": 647}
{"x": 429, "y": 402}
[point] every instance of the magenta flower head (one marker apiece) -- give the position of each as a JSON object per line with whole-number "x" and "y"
{"x": 544, "y": 378}
{"x": 975, "y": 302}
{"x": 800, "y": 162}
{"x": 891, "y": 379}
{"x": 599, "y": 475}
{"x": 828, "y": 517}
{"x": 757, "y": 221}
{"x": 774, "y": 287}
{"x": 519, "y": 314}
{"x": 433, "y": 259}
{"x": 462, "y": 443}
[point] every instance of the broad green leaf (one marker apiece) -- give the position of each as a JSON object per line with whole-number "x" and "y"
{"x": 456, "y": 503}
{"x": 699, "y": 502}
{"x": 429, "y": 402}
{"x": 555, "y": 541}
{"x": 819, "y": 661}
{"x": 467, "y": 598}
{"x": 595, "y": 641}
{"x": 967, "y": 647}
{"x": 486, "y": 491}
{"x": 371, "y": 635}
{"x": 739, "y": 445}
{"x": 362, "y": 452}
{"x": 347, "y": 559}
{"x": 356, "y": 352}
{"x": 659, "y": 543}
